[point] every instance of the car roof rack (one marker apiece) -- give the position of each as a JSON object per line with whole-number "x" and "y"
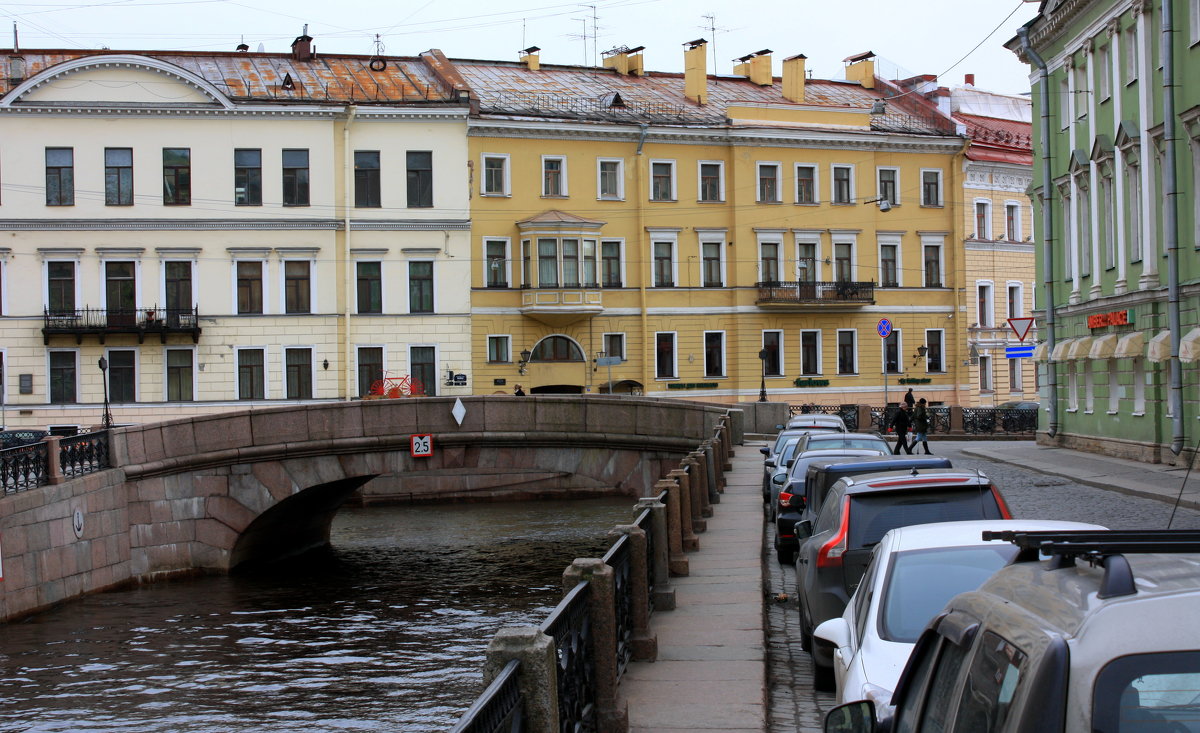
{"x": 1106, "y": 547}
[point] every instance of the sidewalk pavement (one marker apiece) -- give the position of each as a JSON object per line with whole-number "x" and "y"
{"x": 711, "y": 667}
{"x": 1149, "y": 480}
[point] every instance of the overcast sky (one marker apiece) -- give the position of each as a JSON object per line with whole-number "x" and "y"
{"x": 922, "y": 37}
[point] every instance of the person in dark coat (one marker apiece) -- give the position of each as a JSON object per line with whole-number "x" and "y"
{"x": 920, "y": 426}
{"x": 909, "y": 399}
{"x": 901, "y": 423}
{"x": 518, "y": 392}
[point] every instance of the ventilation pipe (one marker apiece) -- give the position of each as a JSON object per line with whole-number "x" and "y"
{"x": 695, "y": 71}
{"x": 756, "y": 67}
{"x": 1171, "y": 226}
{"x": 1047, "y": 223}
{"x": 793, "y": 78}
{"x": 625, "y": 61}
{"x": 303, "y": 48}
{"x": 530, "y": 58}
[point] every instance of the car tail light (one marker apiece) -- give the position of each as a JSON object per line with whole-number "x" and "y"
{"x": 785, "y": 500}
{"x": 1004, "y": 512}
{"x": 830, "y": 554}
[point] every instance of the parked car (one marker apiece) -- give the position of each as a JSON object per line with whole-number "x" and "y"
{"x": 16, "y": 438}
{"x": 817, "y": 419}
{"x": 819, "y": 441}
{"x": 806, "y": 491}
{"x": 771, "y": 453}
{"x": 1100, "y": 637}
{"x": 914, "y": 571}
{"x": 856, "y": 513}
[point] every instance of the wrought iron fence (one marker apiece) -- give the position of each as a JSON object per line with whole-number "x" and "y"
{"x": 848, "y": 413}
{"x": 983, "y": 420}
{"x": 619, "y": 558}
{"x": 24, "y": 467}
{"x": 939, "y": 419}
{"x": 569, "y": 624}
{"x": 499, "y": 708}
{"x": 83, "y": 453}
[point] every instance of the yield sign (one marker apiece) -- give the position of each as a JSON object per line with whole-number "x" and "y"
{"x": 1020, "y": 326}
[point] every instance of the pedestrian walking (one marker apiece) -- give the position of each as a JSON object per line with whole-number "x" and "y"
{"x": 909, "y": 399}
{"x": 901, "y": 422}
{"x": 920, "y": 426}
{"x": 518, "y": 392}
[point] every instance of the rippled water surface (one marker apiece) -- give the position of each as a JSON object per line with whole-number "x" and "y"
{"x": 385, "y": 631}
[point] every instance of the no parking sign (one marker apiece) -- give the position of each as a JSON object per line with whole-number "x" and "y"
{"x": 884, "y": 328}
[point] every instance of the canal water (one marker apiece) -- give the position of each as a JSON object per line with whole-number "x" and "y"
{"x": 384, "y": 631}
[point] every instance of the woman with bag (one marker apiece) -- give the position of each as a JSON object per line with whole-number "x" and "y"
{"x": 920, "y": 426}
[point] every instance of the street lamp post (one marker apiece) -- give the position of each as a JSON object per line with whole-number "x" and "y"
{"x": 106, "y": 420}
{"x": 762, "y": 390}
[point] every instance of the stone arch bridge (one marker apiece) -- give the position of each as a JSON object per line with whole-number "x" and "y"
{"x": 210, "y": 493}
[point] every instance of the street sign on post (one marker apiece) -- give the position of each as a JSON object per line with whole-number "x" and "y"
{"x": 1021, "y": 326}
{"x": 884, "y": 328}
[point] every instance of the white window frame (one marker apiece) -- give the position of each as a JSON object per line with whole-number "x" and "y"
{"x": 237, "y": 372}
{"x": 674, "y": 356}
{"x": 1114, "y": 387}
{"x": 137, "y": 371}
{"x": 356, "y": 261}
{"x": 1103, "y": 72}
{"x": 1089, "y": 384}
{"x": 434, "y": 279}
{"x": 724, "y": 355}
{"x": 312, "y": 369}
{"x": 720, "y": 181}
{"x": 777, "y": 240}
{"x": 565, "y": 192}
{"x": 987, "y": 376}
{"x": 941, "y": 332}
{"x": 78, "y": 374}
{"x": 833, "y": 169}
{"x": 1131, "y": 53}
{"x": 505, "y": 184}
{"x": 839, "y": 238}
{"x": 674, "y": 193}
{"x": 620, "y": 194}
{"x": 663, "y": 235}
{"x": 838, "y": 347}
{"x": 1020, "y": 299}
{"x": 758, "y": 176}
{"x": 1018, "y": 220}
{"x": 813, "y": 238}
{"x": 985, "y": 318}
{"x": 896, "y": 241}
{"x": 717, "y": 238}
{"x": 934, "y": 241}
{"x": 104, "y": 259}
{"x": 75, "y": 284}
{"x": 816, "y": 179}
{"x": 358, "y": 361}
{"x": 507, "y": 346}
{"x": 508, "y": 261}
{"x": 782, "y": 349}
{"x": 166, "y": 371}
{"x": 1139, "y": 385}
{"x": 820, "y": 366}
{"x": 624, "y": 345}
{"x": 900, "y": 354}
{"x": 312, "y": 285}
{"x": 265, "y": 279}
{"x": 982, "y": 235}
{"x": 1072, "y": 387}
{"x": 879, "y": 183}
{"x": 620, "y": 241}
{"x": 1016, "y": 379}
{"x": 941, "y": 185}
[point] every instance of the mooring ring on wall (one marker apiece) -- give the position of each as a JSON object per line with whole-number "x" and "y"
{"x": 77, "y": 523}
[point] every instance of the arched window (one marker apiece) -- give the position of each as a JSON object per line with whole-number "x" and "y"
{"x": 557, "y": 348}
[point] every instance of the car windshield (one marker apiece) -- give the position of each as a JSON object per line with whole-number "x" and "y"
{"x": 874, "y": 514}
{"x": 921, "y": 582}
{"x": 840, "y": 440}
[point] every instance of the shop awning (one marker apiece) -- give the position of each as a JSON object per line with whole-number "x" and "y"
{"x": 1042, "y": 351}
{"x": 1159, "y": 349}
{"x": 1103, "y": 347}
{"x": 1131, "y": 345}
{"x": 1080, "y": 348}
{"x": 1060, "y": 350}
{"x": 1189, "y": 346}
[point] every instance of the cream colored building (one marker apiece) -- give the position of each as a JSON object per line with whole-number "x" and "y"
{"x": 227, "y": 230}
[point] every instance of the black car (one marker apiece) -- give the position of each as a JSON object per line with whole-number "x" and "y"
{"x": 17, "y": 438}
{"x": 857, "y": 512}
{"x": 807, "y": 485}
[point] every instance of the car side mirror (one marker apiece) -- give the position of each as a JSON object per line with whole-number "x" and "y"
{"x": 765, "y": 451}
{"x": 835, "y": 631}
{"x": 803, "y": 529}
{"x": 769, "y": 463}
{"x": 853, "y": 717}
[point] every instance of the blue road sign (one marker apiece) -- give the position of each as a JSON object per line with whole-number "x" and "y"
{"x": 1018, "y": 352}
{"x": 884, "y": 327}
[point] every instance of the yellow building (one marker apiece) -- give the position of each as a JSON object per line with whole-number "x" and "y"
{"x": 713, "y": 234}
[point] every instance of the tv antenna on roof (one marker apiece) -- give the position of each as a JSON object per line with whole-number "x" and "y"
{"x": 712, "y": 33}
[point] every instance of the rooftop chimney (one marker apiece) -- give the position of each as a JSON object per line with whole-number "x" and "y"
{"x": 530, "y": 57}
{"x": 861, "y": 68}
{"x": 302, "y": 47}
{"x": 969, "y": 80}
{"x": 695, "y": 71}
{"x": 626, "y": 61}
{"x": 793, "y": 78}
{"x": 756, "y": 66}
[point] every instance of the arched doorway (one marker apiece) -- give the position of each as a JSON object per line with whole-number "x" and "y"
{"x": 557, "y": 389}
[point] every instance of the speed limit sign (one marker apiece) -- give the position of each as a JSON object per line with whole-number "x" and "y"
{"x": 421, "y": 446}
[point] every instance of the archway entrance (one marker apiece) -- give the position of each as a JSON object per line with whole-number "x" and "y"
{"x": 557, "y": 389}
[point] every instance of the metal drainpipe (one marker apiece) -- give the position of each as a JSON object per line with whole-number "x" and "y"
{"x": 1047, "y": 223}
{"x": 1170, "y": 228}
{"x": 347, "y": 275}
{"x": 648, "y": 351}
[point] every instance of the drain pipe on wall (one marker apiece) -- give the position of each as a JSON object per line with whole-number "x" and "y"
{"x": 1171, "y": 227}
{"x": 1047, "y": 223}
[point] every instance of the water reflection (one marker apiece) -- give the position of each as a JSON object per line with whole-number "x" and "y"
{"x": 385, "y": 631}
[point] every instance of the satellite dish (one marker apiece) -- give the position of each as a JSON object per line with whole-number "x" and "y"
{"x": 261, "y": 48}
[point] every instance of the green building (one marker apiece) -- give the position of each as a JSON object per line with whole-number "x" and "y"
{"x": 1116, "y": 122}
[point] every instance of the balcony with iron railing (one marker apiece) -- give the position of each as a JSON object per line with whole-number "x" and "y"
{"x": 815, "y": 293}
{"x": 102, "y": 322}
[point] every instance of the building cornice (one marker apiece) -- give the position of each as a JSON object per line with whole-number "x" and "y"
{"x": 149, "y": 225}
{"x": 1017, "y": 247}
{"x": 256, "y": 111}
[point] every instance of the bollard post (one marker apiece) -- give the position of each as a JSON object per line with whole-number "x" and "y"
{"x": 702, "y": 484}
{"x": 694, "y": 503}
{"x": 538, "y": 676}
{"x": 677, "y": 564}
{"x": 602, "y": 611}
{"x": 726, "y": 449}
{"x": 54, "y": 474}
{"x": 644, "y": 644}
{"x": 664, "y": 594}
{"x": 717, "y": 483}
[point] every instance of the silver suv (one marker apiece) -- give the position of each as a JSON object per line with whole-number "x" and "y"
{"x": 1102, "y": 636}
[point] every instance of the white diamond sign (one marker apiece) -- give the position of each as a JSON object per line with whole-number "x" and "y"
{"x": 459, "y": 411}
